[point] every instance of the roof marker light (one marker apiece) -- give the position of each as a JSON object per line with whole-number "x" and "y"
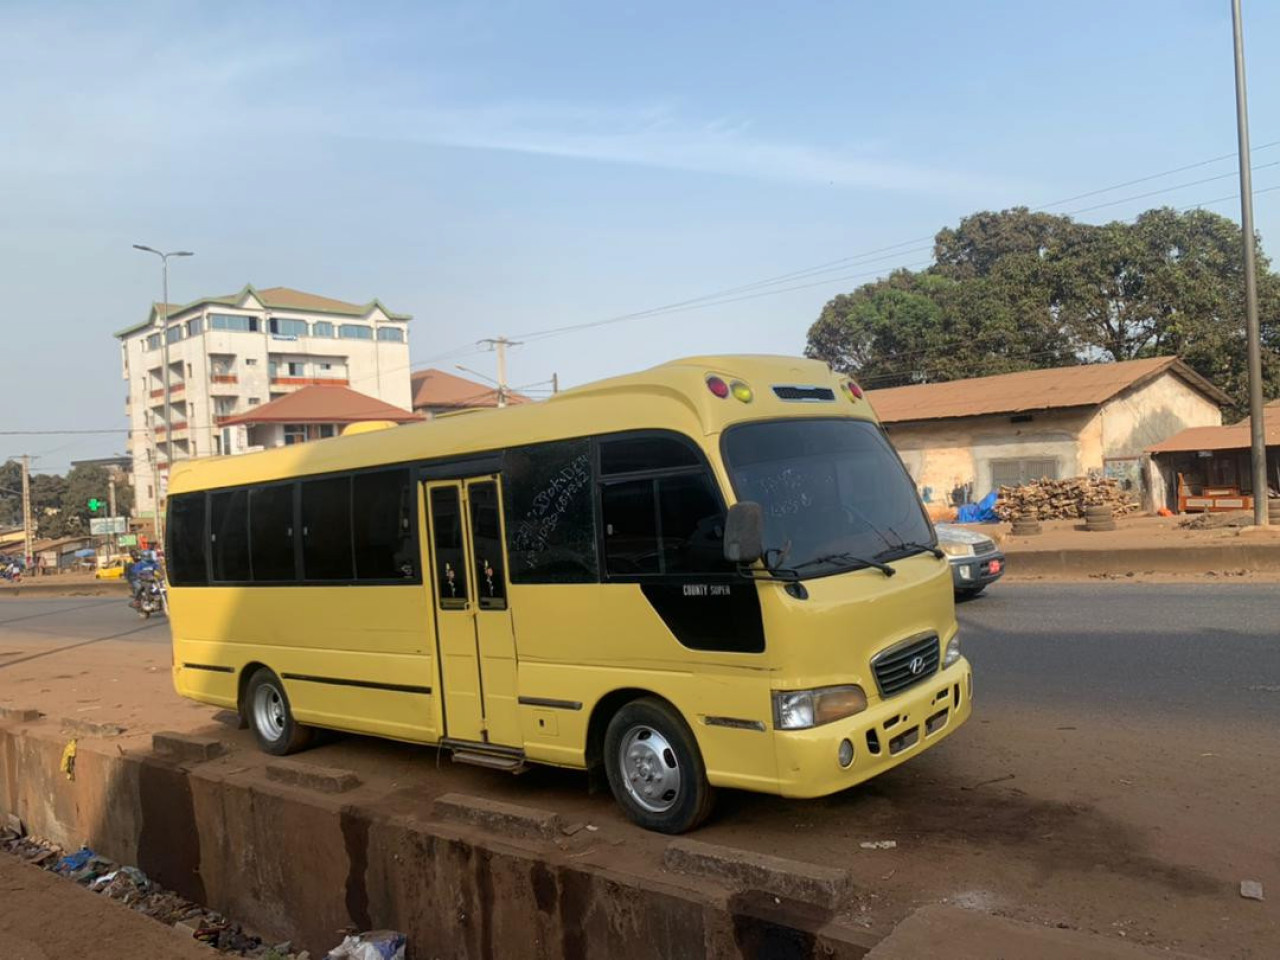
{"x": 855, "y": 391}
{"x": 741, "y": 391}
{"x": 717, "y": 386}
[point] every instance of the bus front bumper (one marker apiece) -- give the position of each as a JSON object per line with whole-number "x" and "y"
{"x": 883, "y": 736}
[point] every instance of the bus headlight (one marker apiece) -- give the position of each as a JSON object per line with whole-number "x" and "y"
{"x": 953, "y": 651}
{"x": 802, "y": 709}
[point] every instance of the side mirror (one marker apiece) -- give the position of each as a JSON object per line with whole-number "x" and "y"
{"x": 744, "y": 533}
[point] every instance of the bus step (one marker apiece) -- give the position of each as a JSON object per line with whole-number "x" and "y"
{"x": 493, "y": 762}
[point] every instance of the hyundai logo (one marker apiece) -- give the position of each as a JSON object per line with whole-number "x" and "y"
{"x": 916, "y": 666}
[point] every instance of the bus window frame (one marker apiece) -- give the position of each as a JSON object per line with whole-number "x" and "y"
{"x": 702, "y": 467}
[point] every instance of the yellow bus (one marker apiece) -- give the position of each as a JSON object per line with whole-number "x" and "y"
{"x": 712, "y": 574}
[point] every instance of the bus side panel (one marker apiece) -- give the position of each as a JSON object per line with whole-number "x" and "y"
{"x": 346, "y": 654}
{"x": 577, "y": 643}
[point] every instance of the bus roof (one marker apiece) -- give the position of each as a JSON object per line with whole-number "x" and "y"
{"x": 673, "y": 395}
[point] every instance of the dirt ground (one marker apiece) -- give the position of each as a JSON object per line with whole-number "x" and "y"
{"x": 1135, "y": 531}
{"x": 45, "y": 917}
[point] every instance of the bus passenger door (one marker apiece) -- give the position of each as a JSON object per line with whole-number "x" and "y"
{"x": 495, "y": 635}
{"x": 473, "y": 624}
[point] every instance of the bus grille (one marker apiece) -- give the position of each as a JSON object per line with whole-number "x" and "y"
{"x": 894, "y": 667}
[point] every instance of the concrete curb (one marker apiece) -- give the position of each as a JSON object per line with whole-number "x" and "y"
{"x": 19, "y": 714}
{"x": 786, "y": 879}
{"x": 182, "y": 746}
{"x": 311, "y": 777}
{"x": 506, "y": 818}
{"x": 1254, "y": 557}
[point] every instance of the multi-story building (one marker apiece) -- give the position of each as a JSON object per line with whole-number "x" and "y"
{"x": 230, "y": 354}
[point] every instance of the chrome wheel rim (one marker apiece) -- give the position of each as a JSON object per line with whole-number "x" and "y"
{"x": 649, "y": 768}
{"x": 268, "y": 711}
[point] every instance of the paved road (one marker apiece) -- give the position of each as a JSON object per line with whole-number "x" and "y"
{"x": 1121, "y": 758}
{"x": 1151, "y": 649}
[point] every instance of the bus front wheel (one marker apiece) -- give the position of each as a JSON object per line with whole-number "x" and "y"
{"x": 655, "y": 769}
{"x": 266, "y": 708}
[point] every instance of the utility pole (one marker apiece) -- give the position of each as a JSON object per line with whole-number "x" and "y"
{"x": 164, "y": 346}
{"x": 1257, "y": 426}
{"x": 499, "y": 346}
{"x": 26, "y": 511}
{"x": 555, "y": 384}
{"x": 111, "y": 511}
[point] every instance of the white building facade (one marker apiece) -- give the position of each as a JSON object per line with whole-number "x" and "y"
{"x": 228, "y": 355}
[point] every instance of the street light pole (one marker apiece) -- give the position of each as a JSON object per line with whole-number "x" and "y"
{"x": 1257, "y": 427}
{"x": 164, "y": 347}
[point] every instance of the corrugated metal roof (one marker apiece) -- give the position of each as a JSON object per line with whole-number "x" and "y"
{"x": 322, "y": 404}
{"x": 1234, "y": 437}
{"x": 1058, "y": 388}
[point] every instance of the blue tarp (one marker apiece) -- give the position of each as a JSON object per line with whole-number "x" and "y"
{"x": 982, "y": 512}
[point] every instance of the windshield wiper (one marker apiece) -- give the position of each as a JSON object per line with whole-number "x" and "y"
{"x": 911, "y": 549}
{"x": 884, "y": 568}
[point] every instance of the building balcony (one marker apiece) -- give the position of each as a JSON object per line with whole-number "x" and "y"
{"x": 179, "y": 430}
{"x": 310, "y": 382}
{"x": 223, "y": 378}
{"x": 173, "y": 388}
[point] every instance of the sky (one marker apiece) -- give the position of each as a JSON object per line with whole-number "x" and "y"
{"x": 503, "y": 168}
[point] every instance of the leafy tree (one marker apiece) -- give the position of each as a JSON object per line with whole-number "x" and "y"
{"x": 1015, "y": 290}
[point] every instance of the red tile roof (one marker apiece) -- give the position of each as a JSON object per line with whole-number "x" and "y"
{"x": 1060, "y": 387}
{"x": 324, "y": 404}
{"x": 434, "y": 389}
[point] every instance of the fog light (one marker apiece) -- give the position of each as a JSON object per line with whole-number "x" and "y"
{"x": 966, "y": 572}
{"x": 846, "y": 753}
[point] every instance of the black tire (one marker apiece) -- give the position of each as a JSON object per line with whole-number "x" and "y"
{"x": 1097, "y": 525}
{"x": 267, "y": 712}
{"x": 639, "y": 723}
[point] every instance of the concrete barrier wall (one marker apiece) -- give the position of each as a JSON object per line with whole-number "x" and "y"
{"x": 1254, "y": 557}
{"x": 298, "y": 865}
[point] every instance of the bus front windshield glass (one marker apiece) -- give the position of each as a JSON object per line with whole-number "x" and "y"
{"x": 833, "y": 493}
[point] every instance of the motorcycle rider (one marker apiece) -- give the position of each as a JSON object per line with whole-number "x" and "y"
{"x": 143, "y": 568}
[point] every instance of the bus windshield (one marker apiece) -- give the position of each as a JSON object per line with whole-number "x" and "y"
{"x": 831, "y": 491}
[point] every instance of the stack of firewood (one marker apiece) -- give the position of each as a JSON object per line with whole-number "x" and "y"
{"x": 1063, "y": 499}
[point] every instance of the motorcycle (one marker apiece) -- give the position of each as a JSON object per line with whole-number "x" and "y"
{"x": 152, "y": 598}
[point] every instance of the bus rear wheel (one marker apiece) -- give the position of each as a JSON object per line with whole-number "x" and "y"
{"x": 655, "y": 769}
{"x": 266, "y": 708}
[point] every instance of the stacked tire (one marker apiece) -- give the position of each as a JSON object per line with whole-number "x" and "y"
{"x": 1273, "y": 511}
{"x": 1026, "y": 525}
{"x": 1098, "y": 517}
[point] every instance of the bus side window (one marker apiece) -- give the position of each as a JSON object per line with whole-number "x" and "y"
{"x": 185, "y": 552}
{"x": 486, "y": 542}
{"x": 660, "y": 509}
{"x": 551, "y": 533}
{"x": 382, "y": 521}
{"x": 326, "y": 529}
{"x": 229, "y": 535}
{"x": 271, "y": 532}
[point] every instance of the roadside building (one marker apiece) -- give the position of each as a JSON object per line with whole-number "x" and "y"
{"x": 231, "y": 354}
{"x": 964, "y": 438}
{"x": 1209, "y": 468}
{"x": 312, "y": 413}
{"x": 436, "y": 392}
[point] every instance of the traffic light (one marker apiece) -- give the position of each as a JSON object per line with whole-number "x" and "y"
{"x": 95, "y": 504}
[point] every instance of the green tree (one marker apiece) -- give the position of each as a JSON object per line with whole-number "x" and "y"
{"x": 1015, "y": 290}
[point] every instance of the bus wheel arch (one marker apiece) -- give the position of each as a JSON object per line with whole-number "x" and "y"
{"x": 264, "y": 705}
{"x": 651, "y": 760}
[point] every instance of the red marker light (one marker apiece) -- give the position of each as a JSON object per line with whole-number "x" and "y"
{"x": 718, "y": 387}
{"x": 855, "y": 390}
